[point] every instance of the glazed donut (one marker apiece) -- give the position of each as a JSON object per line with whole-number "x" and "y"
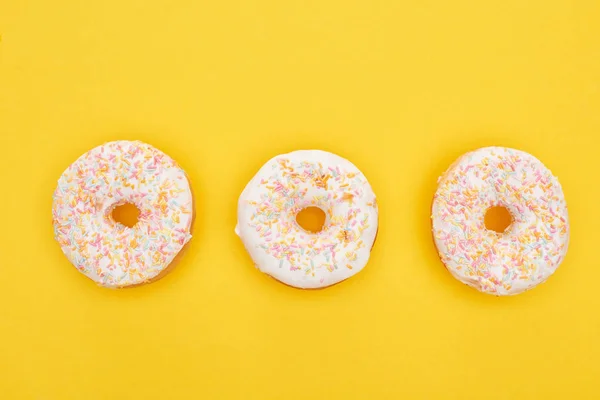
{"x": 114, "y": 174}
{"x": 279, "y": 247}
{"x": 529, "y": 250}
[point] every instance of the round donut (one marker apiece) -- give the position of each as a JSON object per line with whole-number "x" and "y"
{"x": 529, "y": 250}
{"x": 114, "y": 174}
{"x": 279, "y": 247}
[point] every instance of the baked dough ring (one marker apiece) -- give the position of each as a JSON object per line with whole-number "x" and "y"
{"x": 110, "y": 175}
{"x": 287, "y": 184}
{"x": 531, "y": 248}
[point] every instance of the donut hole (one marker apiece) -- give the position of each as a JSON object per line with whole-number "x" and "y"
{"x": 497, "y": 219}
{"x": 311, "y": 219}
{"x": 126, "y": 214}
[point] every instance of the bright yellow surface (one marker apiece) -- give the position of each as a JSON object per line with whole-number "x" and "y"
{"x": 401, "y": 89}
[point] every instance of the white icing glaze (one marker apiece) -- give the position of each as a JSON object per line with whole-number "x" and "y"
{"x": 113, "y": 174}
{"x": 287, "y": 184}
{"x": 531, "y": 248}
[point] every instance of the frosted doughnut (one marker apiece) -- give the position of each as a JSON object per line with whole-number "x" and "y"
{"x": 110, "y": 175}
{"x": 529, "y": 250}
{"x": 279, "y": 247}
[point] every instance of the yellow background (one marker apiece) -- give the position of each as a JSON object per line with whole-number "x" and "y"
{"x": 401, "y": 89}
